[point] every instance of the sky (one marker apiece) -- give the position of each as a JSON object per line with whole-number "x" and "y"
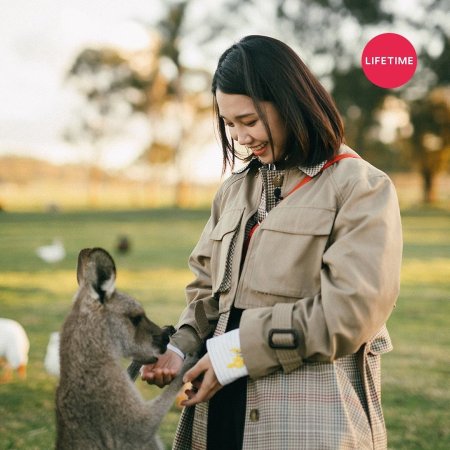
{"x": 38, "y": 43}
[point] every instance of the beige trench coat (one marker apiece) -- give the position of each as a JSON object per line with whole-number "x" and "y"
{"x": 319, "y": 281}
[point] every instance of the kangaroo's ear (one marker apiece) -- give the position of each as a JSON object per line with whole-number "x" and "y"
{"x": 96, "y": 268}
{"x": 82, "y": 261}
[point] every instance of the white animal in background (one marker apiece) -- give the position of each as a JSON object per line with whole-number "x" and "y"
{"x": 14, "y": 347}
{"x": 52, "y": 253}
{"x": 51, "y": 361}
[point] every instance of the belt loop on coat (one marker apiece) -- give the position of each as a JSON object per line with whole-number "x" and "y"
{"x": 283, "y": 338}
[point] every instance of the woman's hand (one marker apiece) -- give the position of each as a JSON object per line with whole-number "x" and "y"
{"x": 163, "y": 371}
{"x": 204, "y": 382}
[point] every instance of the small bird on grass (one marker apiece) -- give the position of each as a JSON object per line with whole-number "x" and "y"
{"x": 52, "y": 253}
{"x": 123, "y": 244}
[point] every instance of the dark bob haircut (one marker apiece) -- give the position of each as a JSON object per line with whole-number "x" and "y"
{"x": 266, "y": 69}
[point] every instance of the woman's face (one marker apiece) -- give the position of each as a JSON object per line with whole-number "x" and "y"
{"x": 247, "y": 128}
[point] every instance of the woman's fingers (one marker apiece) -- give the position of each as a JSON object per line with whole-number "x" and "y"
{"x": 196, "y": 371}
{"x": 206, "y": 391}
{"x": 196, "y": 383}
{"x": 160, "y": 377}
{"x": 204, "y": 382}
{"x": 163, "y": 371}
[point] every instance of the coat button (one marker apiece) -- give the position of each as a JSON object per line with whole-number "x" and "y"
{"x": 254, "y": 415}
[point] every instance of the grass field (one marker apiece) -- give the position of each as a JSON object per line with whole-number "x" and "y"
{"x": 416, "y": 383}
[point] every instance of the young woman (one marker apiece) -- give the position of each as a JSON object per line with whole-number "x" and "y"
{"x": 296, "y": 272}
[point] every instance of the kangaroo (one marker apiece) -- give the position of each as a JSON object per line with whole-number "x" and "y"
{"x": 97, "y": 404}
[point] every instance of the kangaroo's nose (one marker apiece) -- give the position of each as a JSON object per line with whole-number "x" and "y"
{"x": 167, "y": 331}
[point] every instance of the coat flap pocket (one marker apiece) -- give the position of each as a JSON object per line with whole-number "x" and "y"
{"x": 300, "y": 220}
{"x": 227, "y": 223}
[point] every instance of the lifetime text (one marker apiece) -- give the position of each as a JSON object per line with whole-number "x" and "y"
{"x": 389, "y": 60}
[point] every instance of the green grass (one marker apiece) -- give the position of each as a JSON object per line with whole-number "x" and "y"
{"x": 416, "y": 385}
{"x": 416, "y": 375}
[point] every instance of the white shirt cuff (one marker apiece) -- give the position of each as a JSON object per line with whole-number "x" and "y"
{"x": 175, "y": 350}
{"x": 226, "y": 357}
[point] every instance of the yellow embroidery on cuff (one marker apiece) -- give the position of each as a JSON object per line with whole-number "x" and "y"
{"x": 237, "y": 362}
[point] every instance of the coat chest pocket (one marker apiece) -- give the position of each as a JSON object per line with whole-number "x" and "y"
{"x": 223, "y": 236}
{"x": 289, "y": 250}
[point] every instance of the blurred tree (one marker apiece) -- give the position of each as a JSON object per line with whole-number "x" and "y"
{"x": 430, "y": 143}
{"x": 331, "y": 34}
{"x": 340, "y": 29}
{"x": 116, "y": 85}
{"x": 105, "y": 81}
{"x": 184, "y": 102}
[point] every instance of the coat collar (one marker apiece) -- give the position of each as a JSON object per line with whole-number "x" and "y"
{"x": 311, "y": 171}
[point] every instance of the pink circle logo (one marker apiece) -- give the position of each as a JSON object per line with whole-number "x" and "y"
{"x": 389, "y": 60}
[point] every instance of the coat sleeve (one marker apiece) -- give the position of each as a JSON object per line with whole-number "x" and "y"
{"x": 198, "y": 319}
{"x": 359, "y": 286}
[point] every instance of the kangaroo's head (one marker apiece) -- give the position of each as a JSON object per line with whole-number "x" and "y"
{"x": 134, "y": 335}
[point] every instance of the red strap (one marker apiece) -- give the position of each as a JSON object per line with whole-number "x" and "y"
{"x": 326, "y": 165}
{"x": 247, "y": 240}
{"x": 254, "y": 227}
